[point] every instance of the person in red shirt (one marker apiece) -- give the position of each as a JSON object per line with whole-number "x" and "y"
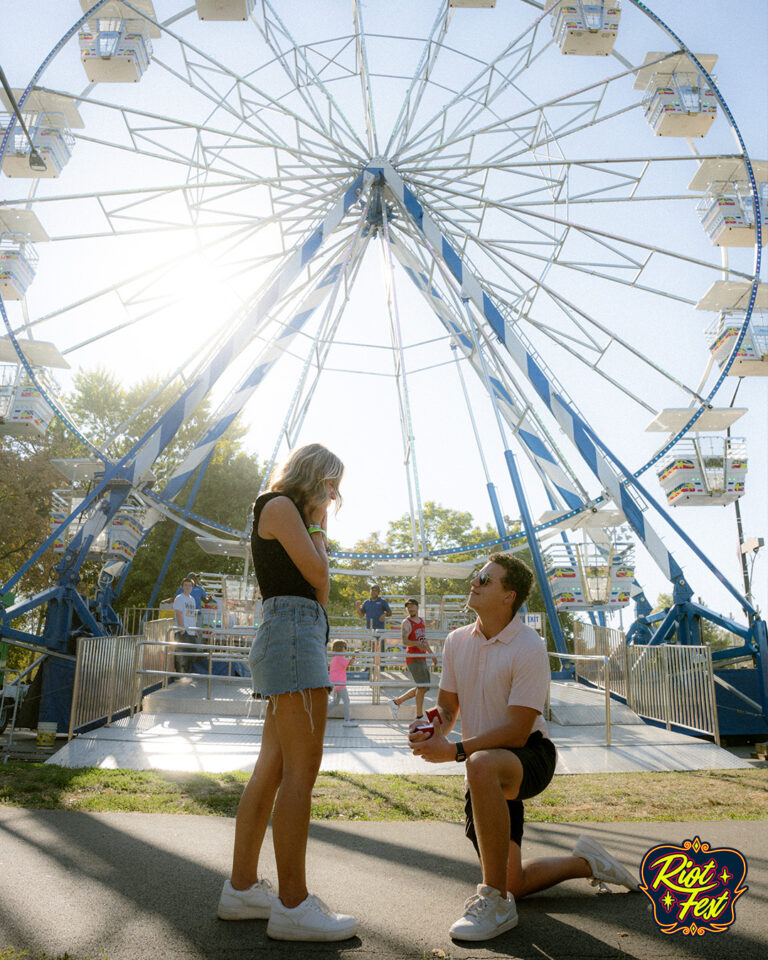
{"x": 416, "y": 650}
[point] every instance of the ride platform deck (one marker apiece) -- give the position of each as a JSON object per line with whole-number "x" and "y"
{"x": 224, "y": 734}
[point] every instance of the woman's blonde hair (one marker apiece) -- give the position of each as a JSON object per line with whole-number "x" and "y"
{"x": 305, "y": 473}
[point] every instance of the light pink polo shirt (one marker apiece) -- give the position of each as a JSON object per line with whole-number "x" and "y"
{"x": 510, "y": 669}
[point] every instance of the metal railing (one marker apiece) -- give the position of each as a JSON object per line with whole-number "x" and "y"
{"x": 669, "y": 683}
{"x": 164, "y": 651}
{"x": 674, "y": 684}
{"x": 598, "y": 665}
{"x": 104, "y": 675}
{"x": 593, "y": 640}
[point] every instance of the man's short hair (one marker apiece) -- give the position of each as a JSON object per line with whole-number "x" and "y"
{"x": 187, "y": 580}
{"x": 411, "y": 600}
{"x": 518, "y": 576}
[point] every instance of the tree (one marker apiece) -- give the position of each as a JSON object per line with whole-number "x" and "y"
{"x": 25, "y": 493}
{"x": 444, "y": 528}
{"x": 100, "y": 405}
{"x": 226, "y": 495}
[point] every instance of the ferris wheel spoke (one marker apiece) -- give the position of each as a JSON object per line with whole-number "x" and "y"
{"x": 220, "y": 138}
{"x": 569, "y": 309}
{"x": 419, "y": 83}
{"x": 447, "y": 195}
{"x": 520, "y": 414}
{"x": 272, "y": 29}
{"x": 479, "y": 90}
{"x": 539, "y": 130}
{"x": 240, "y": 83}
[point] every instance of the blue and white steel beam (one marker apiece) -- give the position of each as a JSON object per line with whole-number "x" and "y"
{"x": 533, "y": 368}
{"x": 158, "y": 438}
{"x": 514, "y": 410}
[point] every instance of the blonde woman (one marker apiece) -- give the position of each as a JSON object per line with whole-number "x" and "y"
{"x": 289, "y": 670}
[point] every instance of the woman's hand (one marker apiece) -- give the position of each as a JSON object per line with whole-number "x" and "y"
{"x": 317, "y": 517}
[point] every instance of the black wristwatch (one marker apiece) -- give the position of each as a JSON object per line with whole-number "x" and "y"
{"x": 460, "y": 754}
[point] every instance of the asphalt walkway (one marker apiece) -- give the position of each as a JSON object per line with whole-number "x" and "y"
{"x": 136, "y": 886}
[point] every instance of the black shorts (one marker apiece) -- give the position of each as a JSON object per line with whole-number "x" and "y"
{"x": 539, "y": 759}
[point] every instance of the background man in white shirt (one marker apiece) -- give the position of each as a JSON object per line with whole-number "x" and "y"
{"x": 185, "y": 612}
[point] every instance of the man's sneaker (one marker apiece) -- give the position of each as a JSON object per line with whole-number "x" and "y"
{"x": 255, "y": 903}
{"x": 311, "y": 920}
{"x": 394, "y": 709}
{"x": 348, "y": 723}
{"x": 486, "y": 915}
{"x": 605, "y": 868}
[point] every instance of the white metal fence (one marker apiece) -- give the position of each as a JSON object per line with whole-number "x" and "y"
{"x": 669, "y": 683}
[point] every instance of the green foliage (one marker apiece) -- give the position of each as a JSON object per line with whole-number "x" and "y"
{"x": 226, "y": 494}
{"x": 100, "y": 405}
{"x": 444, "y": 529}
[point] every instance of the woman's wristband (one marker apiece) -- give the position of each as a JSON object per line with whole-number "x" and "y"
{"x": 312, "y": 528}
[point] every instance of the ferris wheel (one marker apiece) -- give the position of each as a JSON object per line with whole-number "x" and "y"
{"x": 197, "y": 189}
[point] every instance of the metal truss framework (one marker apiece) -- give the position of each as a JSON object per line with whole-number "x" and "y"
{"x": 487, "y": 254}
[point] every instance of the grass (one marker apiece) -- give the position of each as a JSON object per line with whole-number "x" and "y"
{"x": 699, "y": 795}
{"x": 10, "y": 954}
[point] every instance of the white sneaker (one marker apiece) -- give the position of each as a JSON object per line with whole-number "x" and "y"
{"x": 348, "y": 723}
{"x": 605, "y": 868}
{"x": 254, "y": 903}
{"x": 394, "y": 709}
{"x": 486, "y": 915}
{"x": 311, "y": 920}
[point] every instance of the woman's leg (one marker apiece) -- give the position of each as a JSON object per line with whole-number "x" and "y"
{"x": 255, "y": 807}
{"x": 301, "y": 743}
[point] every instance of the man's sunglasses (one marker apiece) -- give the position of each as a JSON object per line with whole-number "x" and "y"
{"x": 483, "y": 578}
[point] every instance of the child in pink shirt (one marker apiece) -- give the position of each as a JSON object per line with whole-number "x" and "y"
{"x": 338, "y": 675}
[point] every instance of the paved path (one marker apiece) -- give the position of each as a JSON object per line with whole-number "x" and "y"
{"x": 145, "y": 887}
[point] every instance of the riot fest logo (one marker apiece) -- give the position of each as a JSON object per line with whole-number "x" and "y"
{"x": 693, "y": 888}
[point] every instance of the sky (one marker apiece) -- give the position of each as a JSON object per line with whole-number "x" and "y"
{"x": 355, "y": 407}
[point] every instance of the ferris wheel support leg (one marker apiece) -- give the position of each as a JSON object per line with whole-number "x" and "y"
{"x": 533, "y": 545}
{"x": 177, "y": 533}
{"x": 517, "y": 485}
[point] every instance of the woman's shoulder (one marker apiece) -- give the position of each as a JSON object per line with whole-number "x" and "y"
{"x": 274, "y": 501}
{"x": 273, "y": 512}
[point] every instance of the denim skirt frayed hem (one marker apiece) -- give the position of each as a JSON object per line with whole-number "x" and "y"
{"x": 288, "y": 653}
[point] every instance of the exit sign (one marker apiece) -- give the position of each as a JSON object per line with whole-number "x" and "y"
{"x": 535, "y": 620}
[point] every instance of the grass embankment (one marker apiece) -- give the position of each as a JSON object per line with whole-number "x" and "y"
{"x": 700, "y": 795}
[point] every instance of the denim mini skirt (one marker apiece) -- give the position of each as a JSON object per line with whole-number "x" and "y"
{"x": 289, "y": 650}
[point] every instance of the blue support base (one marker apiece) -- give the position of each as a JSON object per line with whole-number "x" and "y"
{"x": 683, "y": 620}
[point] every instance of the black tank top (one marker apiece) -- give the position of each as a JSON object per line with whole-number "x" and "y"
{"x": 277, "y": 574}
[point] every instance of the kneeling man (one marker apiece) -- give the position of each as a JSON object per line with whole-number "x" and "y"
{"x": 496, "y": 672}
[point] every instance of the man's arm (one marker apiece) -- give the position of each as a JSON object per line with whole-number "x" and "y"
{"x": 405, "y": 630}
{"x": 360, "y": 608}
{"x": 448, "y": 708}
{"x": 387, "y": 612}
{"x": 177, "y": 610}
{"x": 513, "y": 733}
